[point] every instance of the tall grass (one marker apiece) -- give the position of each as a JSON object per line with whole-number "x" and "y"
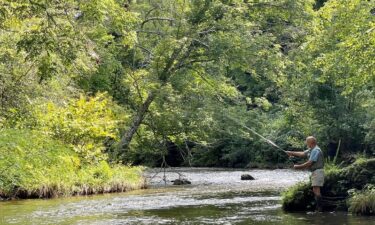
{"x": 363, "y": 202}
{"x": 32, "y": 165}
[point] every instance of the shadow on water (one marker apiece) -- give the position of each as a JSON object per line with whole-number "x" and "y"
{"x": 217, "y": 196}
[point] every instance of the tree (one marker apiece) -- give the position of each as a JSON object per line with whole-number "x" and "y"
{"x": 175, "y": 39}
{"x": 43, "y": 39}
{"x": 224, "y": 45}
{"x": 332, "y": 79}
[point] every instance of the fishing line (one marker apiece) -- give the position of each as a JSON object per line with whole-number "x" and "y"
{"x": 256, "y": 133}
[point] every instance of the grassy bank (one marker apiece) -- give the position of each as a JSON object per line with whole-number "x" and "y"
{"x": 349, "y": 188}
{"x": 363, "y": 202}
{"x": 32, "y": 165}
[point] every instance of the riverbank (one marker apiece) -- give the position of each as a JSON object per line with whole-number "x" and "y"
{"x": 350, "y": 188}
{"x": 32, "y": 165}
{"x": 87, "y": 181}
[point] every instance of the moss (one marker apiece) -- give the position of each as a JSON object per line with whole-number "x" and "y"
{"x": 298, "y": 198}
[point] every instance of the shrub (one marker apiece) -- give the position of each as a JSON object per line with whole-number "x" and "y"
{"x": 32, "y": 165}
{"x": 298, "y": 198}
{"x": 83, "y": 123}
{"x": 363, "y": 202}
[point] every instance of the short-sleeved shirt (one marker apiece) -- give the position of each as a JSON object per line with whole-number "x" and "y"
{"x": 316, "y": 156}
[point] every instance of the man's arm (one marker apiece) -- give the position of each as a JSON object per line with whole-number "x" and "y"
{"x": 313, "y": 158}
{"x": 297, "y": 154}
{"x": 304, "y": 165}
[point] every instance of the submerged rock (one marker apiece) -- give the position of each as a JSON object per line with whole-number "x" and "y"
{"x": 247, "y": 177}
{"x": 338, "y": 184}
{"x": 181, "y": 181}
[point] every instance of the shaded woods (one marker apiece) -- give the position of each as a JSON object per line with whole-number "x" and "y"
{"x": 90, "y": 88}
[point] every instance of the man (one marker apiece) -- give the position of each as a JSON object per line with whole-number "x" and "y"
{"x": 315, "y": 164}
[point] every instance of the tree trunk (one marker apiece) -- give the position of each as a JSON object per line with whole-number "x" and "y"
{"x": 164, "y": 77}
{"x": 128, "y": 136}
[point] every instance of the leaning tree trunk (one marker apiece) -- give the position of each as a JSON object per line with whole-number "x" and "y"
{"x": 128, "y": 136}
{"x": 164, "y": 77}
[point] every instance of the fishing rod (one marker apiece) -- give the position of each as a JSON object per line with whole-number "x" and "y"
{"x": 291, "y": 158}
{"x": 256, "y": 133}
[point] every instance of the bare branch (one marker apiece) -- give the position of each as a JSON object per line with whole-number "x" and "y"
{"x": 156, "y": 18}
{"x": 266, "y": 4}
{"x": 136, "y": 85}
{"x": 194, "y": 61}
{"x": 201, "y": 43}
{"x": 210, "y": 30}
{"x": 144, "y": 49}
{"x": 151, "y": 32}
{"x": 150, "y": 11}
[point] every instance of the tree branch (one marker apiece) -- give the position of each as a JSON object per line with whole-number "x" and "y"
{"x": 150, "y": 32}
{"x": 156, "y": 18}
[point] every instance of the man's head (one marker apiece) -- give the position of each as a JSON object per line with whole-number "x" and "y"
{"x": 311, "y": 142}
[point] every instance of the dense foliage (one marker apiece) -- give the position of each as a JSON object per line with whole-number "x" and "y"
{"x": 171, "y": 82}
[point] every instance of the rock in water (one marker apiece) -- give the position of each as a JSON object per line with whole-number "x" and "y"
{"x": 181, "y": 182}
{"x": 247, "y": 177}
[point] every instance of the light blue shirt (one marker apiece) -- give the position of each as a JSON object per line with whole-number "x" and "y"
{"x": 314, "y": 154}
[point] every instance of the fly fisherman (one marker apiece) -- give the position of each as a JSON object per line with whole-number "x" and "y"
{"x": 315, "y": 164}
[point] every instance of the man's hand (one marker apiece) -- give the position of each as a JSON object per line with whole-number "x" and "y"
{"x": 289, "y": 153}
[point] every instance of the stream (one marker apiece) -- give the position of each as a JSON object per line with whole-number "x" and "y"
{"x": 216, "y": 196}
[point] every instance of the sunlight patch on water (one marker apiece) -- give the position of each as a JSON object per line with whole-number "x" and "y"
{"x": 121, "y": 205}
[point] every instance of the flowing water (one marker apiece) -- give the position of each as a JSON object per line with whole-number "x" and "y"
{"x": 216, "y": 196}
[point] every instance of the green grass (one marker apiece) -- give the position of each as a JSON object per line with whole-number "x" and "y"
{"x": 363, "y": 202}
{"x": 331, "y": 168}
{"x": 32, "y": 165}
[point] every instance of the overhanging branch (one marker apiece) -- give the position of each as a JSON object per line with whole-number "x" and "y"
{"x": 157, "y": 18}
